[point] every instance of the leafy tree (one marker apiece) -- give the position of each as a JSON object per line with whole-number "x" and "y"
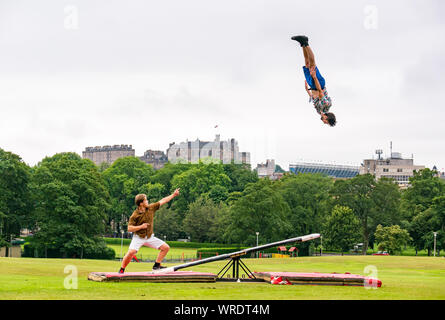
{"x": 15, "y": 205}
{"x": 233, "y": 197}
{"x": 203, "y": 220}
{"x": 386, "y": 197}
{"x": 103, "y": 166}
{"x": 218, "y": 230}
{"x": 165, "y": 175}
{"x": 419, "y": 227}
{"x": 70, "y": 205}
{"x": 240, "y": 175}
{"x": 429, "y": 241}
{"x": 154, "y": 191}
{"x": 356, "y": 193}
{"x": 307, "y": 196}
{"x": 437, "y": 224}
{"x": 423, "y": 206}
{"x": 341, "y": 230}
{"x": 167, "y": 223}
{"x": 373, "y": 202}
{"x": 218, "y": 193}
{"x": 425, "y": 186}
{"x": 438, "y": 208}
{"x": 261, "y": 208}
{"x": 391, "y": 238}
{"x": 199, "y": 179}
{"x": 386, "y": 205}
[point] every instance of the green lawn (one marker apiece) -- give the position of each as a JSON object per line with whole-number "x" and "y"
{"x": 402, "y": 277}
{"x": 146, "y": 253}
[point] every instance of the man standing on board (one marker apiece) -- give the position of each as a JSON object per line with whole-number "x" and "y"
{"x": 141, "y": 224}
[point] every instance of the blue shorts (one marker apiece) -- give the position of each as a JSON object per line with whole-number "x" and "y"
{"x": 310, "y": 81}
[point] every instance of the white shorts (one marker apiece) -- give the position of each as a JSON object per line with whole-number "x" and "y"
{"x": 152, "y": 242}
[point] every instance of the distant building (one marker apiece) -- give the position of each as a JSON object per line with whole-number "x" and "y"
{"x": 108, "y": 154}
{"x": 245, "y": 157}
{"x": 331, "y": 170}
{"x": 394, "y": 167}
{"x": 157, "y": 159}
{"x": 194, "y": 151}
{"x": 440, "y": 174}
{"x": 14, "y": 251}
{"x": 268, "y": 170}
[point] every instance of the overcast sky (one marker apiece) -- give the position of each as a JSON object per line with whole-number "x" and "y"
{"x": 85, "y": 73}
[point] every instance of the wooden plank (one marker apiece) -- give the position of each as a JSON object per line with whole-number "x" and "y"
{"x": 181, "y": 276}
{"x": 343, "y": 279}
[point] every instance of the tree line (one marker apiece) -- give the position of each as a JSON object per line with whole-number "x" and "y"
{"x": 70, "y": 204}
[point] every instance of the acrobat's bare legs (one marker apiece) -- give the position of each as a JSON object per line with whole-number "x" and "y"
{"x": 306, "y": 58}
{"x": 309, "y": 57}
{"x": 163, "y": 250}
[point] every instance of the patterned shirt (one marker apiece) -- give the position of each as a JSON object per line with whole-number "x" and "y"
{"x": 324, "y": 104}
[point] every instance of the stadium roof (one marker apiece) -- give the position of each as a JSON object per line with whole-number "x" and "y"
{"x": 332, "y": 170}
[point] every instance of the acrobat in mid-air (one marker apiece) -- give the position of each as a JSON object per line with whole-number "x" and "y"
{"x": 315, "y": 84}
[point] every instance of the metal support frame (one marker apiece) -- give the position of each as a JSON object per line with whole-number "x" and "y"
{"x": 235, "y": 263}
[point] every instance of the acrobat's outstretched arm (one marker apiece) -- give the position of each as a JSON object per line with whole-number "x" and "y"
{"x": 317, "y": 83}
{"x": 307, "y": 89}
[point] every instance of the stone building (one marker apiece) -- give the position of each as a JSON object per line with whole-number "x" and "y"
{"x": 194, "y": 151}
{"x": 108, "y": 154}
{"x": 157, "y": 159}
{"x": 267, "y": 169}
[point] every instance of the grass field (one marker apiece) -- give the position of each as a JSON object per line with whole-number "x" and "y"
{"x": 403, "y": 278}
{"x": 146, "y": 253}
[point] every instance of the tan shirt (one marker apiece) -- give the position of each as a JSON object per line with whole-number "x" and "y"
{"x": 139, "y": 218}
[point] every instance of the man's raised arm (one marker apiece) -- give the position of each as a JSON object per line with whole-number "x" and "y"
{"x": 307, "y": 89}
{"x": 169, "y": 198}
{"x": 317, "y": 83}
